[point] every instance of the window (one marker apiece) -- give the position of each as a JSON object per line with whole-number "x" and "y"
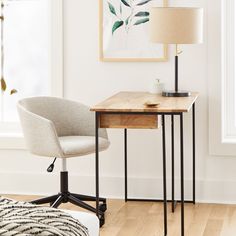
{"x": 33, "y": 56}
{"x": 222, "y": 77}
{"x": 228, "y": 72}
{"x": 26, "y": 43}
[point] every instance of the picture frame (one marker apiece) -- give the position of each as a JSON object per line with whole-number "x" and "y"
{"x": 123, "y": 32}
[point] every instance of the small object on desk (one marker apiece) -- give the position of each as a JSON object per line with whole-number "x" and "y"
{"x": 151, "y": 104}
{"x": 156, "y": 87}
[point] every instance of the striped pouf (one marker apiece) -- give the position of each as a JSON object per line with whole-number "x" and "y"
{"x": 25, "y": 219}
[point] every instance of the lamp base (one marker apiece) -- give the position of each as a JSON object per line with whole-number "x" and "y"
{"x": 176, "y": 94}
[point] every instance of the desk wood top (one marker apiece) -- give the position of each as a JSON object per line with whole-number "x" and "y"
{"x": 135, "y": 102}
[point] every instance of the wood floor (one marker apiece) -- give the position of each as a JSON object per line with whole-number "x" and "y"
{"x": 146, "y": 219}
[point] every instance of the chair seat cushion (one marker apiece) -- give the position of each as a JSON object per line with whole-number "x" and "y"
{"x": 81, "y": 145}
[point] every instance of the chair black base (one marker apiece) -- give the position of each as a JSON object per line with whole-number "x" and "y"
{"x": 77, "y": 199}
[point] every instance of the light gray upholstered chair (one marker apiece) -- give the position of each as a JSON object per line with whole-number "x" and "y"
{"x": 59, "y": 128}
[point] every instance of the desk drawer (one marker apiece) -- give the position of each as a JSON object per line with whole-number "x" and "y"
{"x": 129, "y": 121}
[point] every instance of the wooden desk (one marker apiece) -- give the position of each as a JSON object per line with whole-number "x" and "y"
{"x": 127, "y": 110}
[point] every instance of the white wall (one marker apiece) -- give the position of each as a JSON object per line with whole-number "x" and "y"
{"x": 90, "y": 81}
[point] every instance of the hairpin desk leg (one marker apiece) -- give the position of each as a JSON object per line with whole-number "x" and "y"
{"x": 173, "y": 163}
{"x": 125, "y": 161}
{"x": 164, "y": 173}
{"x": 194, "y": 155}
{"x": 97, "y": 161}
{"x": 182, "y": 172}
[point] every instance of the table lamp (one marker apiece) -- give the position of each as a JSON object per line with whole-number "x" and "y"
{"x": 176, "y": 25}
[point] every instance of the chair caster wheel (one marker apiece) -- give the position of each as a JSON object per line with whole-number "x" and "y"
{"x": 103, "y": 207}
{"x": 102, "y": 220}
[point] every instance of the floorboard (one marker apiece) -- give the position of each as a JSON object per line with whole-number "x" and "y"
{"x": 146, "y": 219}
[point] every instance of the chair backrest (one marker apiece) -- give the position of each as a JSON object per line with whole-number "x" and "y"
{"x": 68, "y": 117}
{"x": 43, "y": 114}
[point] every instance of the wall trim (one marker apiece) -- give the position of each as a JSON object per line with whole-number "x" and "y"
{"x": 209, "y": 191}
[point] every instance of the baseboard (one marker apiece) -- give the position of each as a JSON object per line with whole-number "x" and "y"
{"x": 207, "y": 191}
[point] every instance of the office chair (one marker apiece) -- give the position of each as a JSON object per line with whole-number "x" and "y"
{"x": 60, "y": 128}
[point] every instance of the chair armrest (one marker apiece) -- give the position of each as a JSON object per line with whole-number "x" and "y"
{"x": 86, "y": 124}
{"x": 79, "y": 120}
{"x": 40, "y": 134}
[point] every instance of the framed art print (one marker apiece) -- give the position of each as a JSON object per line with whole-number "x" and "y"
{"x": 124, "y": 31}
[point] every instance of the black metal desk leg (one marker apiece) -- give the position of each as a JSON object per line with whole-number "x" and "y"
{"x": 194, "y": 157}
{"x": 97, "y": 162}
{"x": 182, "y": 172}
{"x": 173, "y": 162}
{"x": 125, "y": 155}
{"x": 164, "y": 173}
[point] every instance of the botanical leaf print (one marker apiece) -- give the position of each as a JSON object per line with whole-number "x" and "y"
{"x": 142, "y": 13}
{"x": 141, "y": 21}
{"x": 128, "y": 11}
{"x": 143, "y": 2}
{"x": 125, "y": 3}
{"x": 127, "y": 21}
{"x": 117, "y": 25}
{"x": 112, "y": 9}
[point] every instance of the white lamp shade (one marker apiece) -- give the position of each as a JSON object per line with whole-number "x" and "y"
{"x": 176, "y": 25}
